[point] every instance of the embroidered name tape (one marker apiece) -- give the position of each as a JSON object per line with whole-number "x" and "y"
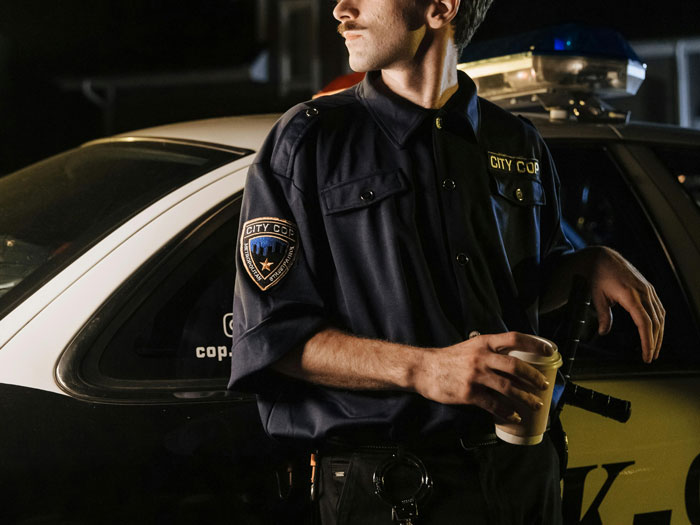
{"x": 268, "y": 248}
{"x": 513, "y": 165}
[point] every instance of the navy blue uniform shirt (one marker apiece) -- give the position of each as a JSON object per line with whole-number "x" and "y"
{"x": 367, "y": 213}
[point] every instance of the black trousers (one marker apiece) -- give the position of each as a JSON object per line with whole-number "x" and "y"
{"x": 501, "y": 484}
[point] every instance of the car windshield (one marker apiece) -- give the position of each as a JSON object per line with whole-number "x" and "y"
{"x": 53, "y": 211}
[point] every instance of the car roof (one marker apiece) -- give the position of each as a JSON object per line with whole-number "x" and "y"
{"x": 249, "y": 131}
{"x": 237, "y": 132}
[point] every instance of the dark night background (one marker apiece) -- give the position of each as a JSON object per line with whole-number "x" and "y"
{"x": 48, "y": 48}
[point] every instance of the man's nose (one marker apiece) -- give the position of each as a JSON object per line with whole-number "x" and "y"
{"x": 346, "y": 10}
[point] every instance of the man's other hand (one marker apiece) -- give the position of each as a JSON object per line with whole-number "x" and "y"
{"x": 615, "y": 281}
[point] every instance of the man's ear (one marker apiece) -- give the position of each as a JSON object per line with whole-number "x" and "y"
{"x": 441, "y": 12}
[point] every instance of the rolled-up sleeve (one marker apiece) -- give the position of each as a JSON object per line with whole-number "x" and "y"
{"x": 278, "y": 298}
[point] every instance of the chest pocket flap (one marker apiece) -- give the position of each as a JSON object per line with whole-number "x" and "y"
{"x": 523, "y": 191}
{"x": 362, "y": 192}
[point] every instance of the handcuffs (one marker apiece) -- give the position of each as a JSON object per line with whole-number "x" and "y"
{"x": 404, "y": 508}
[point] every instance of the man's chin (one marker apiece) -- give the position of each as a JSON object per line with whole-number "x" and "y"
{"x": 361, "y": 68}
{"x": 359, "y": 65}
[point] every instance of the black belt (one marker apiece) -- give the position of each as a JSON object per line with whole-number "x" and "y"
{"x": 367, "y": 440}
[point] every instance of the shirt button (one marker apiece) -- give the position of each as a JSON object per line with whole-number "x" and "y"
{"x": 367, "y": 196}
{"x": 311, "y": 112}
{"x": 474, "y": 333}
{"x": 519, "y": 194}
{"x": 438, "y": 123}
{"x": 462, "y": 259}
{"x": 448, "y": 184}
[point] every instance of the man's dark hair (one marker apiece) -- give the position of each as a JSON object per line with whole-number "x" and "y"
{"x": 469, "y": 17}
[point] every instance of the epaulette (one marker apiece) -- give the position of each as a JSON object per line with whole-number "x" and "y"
{"x": 291, "y": 129}
{"x": 295, "y": 124}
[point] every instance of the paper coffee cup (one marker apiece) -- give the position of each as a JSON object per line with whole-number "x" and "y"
{"x": 534, "y": 422}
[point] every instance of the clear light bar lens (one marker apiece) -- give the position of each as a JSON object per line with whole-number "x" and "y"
{"x": 524, "y": 75}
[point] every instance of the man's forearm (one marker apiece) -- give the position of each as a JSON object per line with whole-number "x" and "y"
{"x": 558, "y": 286}
{"x": 472, "y": 372}
{"x": 336, "y": 359}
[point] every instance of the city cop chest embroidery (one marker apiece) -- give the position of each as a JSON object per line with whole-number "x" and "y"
{"x": 512, "y": 165}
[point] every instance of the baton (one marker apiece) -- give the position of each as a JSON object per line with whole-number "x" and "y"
{"x": 573, "y": 394}
{"x": 596, "y": 402}
{"x": 579, "y": 301}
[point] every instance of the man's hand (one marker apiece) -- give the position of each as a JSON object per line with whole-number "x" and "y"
{"x": 615, "y": 281}
{"x": 475, "y": 372}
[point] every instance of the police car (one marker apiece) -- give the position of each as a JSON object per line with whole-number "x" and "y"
{"x": 116, "y": 281}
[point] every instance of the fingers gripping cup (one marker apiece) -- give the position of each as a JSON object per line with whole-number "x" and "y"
{"x": 534, "y": 422}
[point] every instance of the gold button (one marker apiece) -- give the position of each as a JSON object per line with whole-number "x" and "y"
{"x": 519, "y": 194}
{"x": 438, "y": 123}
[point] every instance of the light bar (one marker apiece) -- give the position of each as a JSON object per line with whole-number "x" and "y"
{"x": 554, "y": 66}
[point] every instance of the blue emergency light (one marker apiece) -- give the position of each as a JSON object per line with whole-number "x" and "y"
{"x": 568, "y": 69}
{"x": 566, "y": 39}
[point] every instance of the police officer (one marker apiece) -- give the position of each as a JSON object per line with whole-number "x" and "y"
{"x": 395, "y": 240}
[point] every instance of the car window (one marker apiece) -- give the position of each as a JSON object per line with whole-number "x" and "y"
{"x": 599, "y": 208}
{"x": 168, "y": 330}
{"x": 684, "y": 165}
{"x": 53, "y": 211}
{"x": 182, "y": 328}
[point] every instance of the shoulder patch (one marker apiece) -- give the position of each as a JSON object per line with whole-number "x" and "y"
{"x": 269, "y": 247}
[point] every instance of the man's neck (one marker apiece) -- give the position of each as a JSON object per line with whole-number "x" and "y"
{"x": 429, "y": 80}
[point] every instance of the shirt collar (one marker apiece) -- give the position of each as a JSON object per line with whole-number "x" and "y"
{"x": 399, "y": 118}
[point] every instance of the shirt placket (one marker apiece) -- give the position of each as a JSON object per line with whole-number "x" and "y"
{"x": 450, "y": 172}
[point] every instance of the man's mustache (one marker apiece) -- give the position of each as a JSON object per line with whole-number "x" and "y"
{"x": 348, "y": 26}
